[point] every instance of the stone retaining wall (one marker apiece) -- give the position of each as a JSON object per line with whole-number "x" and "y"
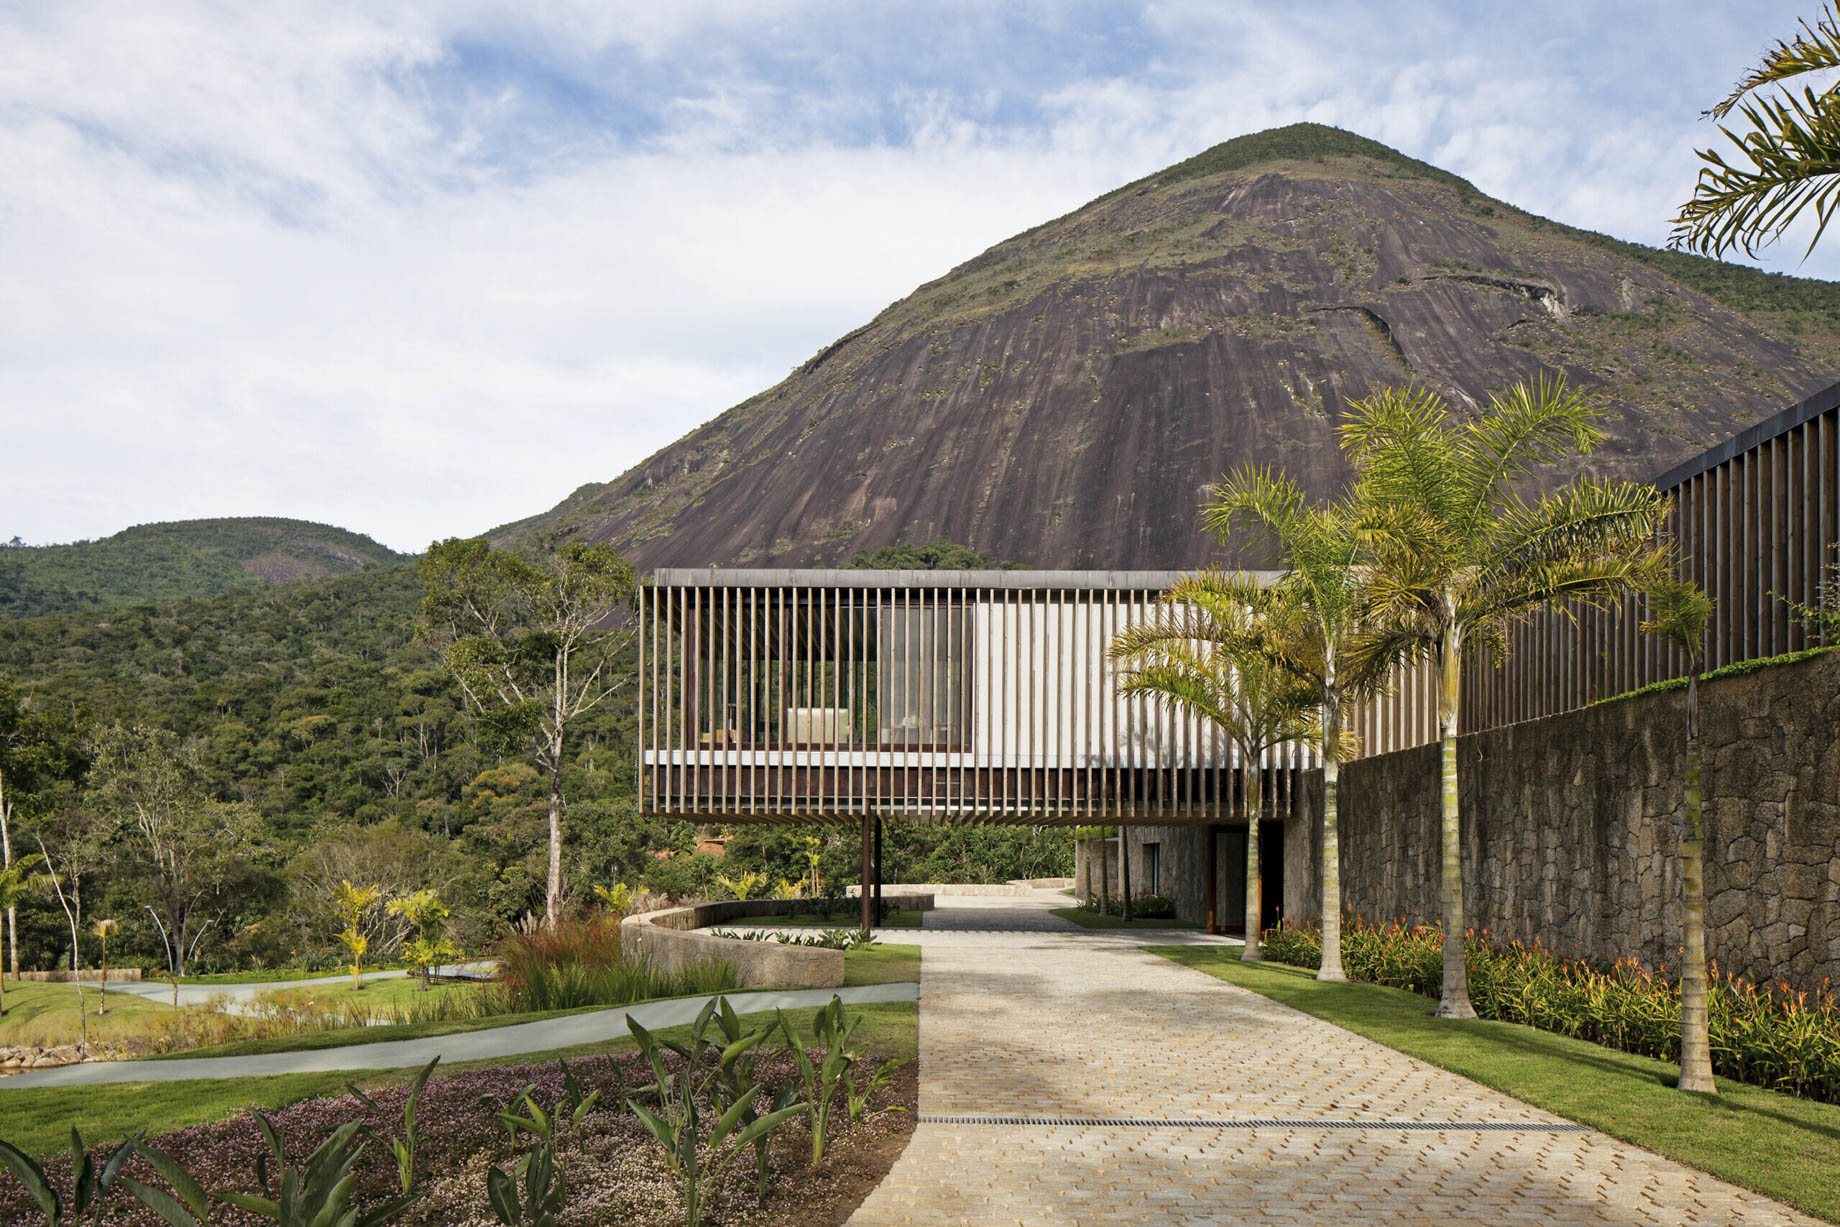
{"x": 668, "y": 939}
{"x": 1572, "y": 827}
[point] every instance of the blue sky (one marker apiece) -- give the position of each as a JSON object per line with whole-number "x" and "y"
{"x": 420, "y": 269}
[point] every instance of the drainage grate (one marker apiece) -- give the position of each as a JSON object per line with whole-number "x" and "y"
{"x": 1259, "y": 1122}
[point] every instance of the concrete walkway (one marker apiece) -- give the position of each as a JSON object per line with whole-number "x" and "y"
{"x": 1069, "y": 1078}
{"x": 595, "y": 1027}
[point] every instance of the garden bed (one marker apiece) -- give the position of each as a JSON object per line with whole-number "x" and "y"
{"x": 616, "y": 1172}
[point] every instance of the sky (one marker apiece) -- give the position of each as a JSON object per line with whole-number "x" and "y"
{"x": 420, "y": 269}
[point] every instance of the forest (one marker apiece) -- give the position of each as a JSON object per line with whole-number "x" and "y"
{"x": 265, "y": 744}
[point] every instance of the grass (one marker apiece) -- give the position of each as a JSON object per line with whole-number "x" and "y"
{"x": 878, "y": 964}
{"x": 1092, "y": 920}
{"x": 376, "y": 994}
{"x": 38, "y": 1121}
{"x": 903, "y": 919}
{"x": 45, "y": 1015}
{"x": 1777, "y": 1145}
{"x": 881, "y": 963}
{"x": 272, "y": 976}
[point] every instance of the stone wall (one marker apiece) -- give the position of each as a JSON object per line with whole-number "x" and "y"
{"x": 669, "y": 939}
{"x": 1572, "y": 827}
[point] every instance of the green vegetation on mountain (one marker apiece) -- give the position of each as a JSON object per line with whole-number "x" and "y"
{"x": 1739, "y": 286}
{"x": 155, "y": 564}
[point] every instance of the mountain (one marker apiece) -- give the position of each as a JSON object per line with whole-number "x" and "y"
{"x": 1065, "y": 396}
{"x": 182, "y": 560}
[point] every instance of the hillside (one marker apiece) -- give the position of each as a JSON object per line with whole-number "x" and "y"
{"x": 1065, "y": 396}
{"x": 155, "y": 564}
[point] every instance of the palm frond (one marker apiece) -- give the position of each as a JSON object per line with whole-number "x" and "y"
{"x": 1793, "y": 151}
{"x": 1679, "y": 612}
{"x": 1400, "y": 443}
{"x": 1816, "y": 48}
{"x": 1529, "y": 425}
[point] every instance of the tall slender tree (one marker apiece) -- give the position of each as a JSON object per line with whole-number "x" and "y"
{"x": 35, "y": 751}
{"x": 1679, "y": 613}
{"x": 104, "y": 928}
{"x": 19, "y": 881}
{"x": 534, "y": 646}
{"x": 1201, "y": 654}
{"x": 1325, "y": 604}
{"x": 1458, "y": 553}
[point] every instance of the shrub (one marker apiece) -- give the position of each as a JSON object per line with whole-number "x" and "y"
{"x": 1767, "y": 1035}
{"x": 582, "y": 963}
{"x": 1143, "y": 907}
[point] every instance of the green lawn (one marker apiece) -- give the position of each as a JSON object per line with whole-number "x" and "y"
{"x": 882, "y": 963}
{"x": 900, "y": 919}
{"x": 1778, "y": 1145}
{"x": 397, "y": 992}
{"x": 878, "y": 964}
{"x": 1092, "y": 920}
{"x": 46, "y": 1015}
{"x": 38, "y": 1121}
{"x": 271, "y": 976}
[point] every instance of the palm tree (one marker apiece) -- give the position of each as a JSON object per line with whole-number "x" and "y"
{"x": 18, "y": 882}
{"x": 351, "y": 904}
{"x": 1202, "y": 653}
{"x": 104, "y": 929}
{"x": 1792, "y": 147}
{"x": 1679, "y": 614}
{"x": 1457, "y": 555}
{"x": 1324, "y": 591}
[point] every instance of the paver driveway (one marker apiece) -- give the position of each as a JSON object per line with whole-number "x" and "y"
{"x": 1020, "y": 1022}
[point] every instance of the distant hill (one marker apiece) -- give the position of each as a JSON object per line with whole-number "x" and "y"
{"x": 1066, "y": 396}
{"x": 158, "y": 564}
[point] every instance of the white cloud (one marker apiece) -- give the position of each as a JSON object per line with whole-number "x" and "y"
{"x": 297, "y": 261}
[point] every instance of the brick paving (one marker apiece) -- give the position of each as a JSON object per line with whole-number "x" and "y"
{"x": 1015, "y": 1020}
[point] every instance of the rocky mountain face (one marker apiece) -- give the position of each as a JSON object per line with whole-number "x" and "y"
{"x": 1064, "y": 398}
{"x": 154, "y": 564}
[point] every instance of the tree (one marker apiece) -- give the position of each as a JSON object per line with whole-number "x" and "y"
{"x": 430, "y": 948}
{"x": 532, "y": 646}
{"x": 34, "y": 751}
{"x": 1324, "y": 596}
{"x": 940, "y": 555}
{"x": 1458, "y": 555}
{"x": 353, "y": 904}
{"x": 1791, "y": 145}
{"x": 73, "y": 912}
{"x": 19, "y": 881}
{"x": 193, "y": 845}
{"x": 1679, "y": 614}
{"x": 1201, "y": 653}
{"x": 104, "y": 928}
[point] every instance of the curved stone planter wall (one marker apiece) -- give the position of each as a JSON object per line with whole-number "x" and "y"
{"x": 669, "y": 939}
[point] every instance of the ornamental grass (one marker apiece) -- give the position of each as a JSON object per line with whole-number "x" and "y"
{"x": 1768, "y": 1035}
{"x": 581, "y": 962}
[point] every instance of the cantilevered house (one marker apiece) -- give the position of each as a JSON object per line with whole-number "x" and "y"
{"x": 938, "y": 696}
